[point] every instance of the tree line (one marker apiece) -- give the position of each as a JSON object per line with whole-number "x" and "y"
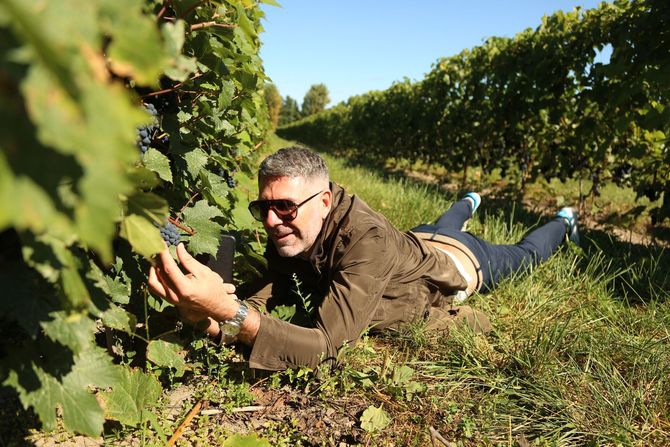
{"x": 285, "y": 110}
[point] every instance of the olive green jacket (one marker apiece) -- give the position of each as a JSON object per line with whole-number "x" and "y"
{"x": 362, "y": 272}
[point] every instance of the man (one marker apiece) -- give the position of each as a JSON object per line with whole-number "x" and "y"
{"x": 359, "y": 269}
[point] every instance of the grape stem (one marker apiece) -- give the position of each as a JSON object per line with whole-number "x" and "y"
{"x": 196, "y": 194}
{"x": 163, "y": 9}
{"x": 202, "y": 25}
{"x": 173, "y": 88}
{"x": 181, "y": 226}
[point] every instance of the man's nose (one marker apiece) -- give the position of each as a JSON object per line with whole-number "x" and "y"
{"x": 272, "y": 219}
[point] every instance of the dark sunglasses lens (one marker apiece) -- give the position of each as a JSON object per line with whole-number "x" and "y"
{"x": 283, "y": 208}
{"x": 258, "y": 210}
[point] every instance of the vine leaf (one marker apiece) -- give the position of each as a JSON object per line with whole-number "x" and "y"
{"x": 214, "y": 188}
{"x": 117, "y": 318}
{"x": 374, "y": 419}
{"x": 136, "y": 49}
{"x": 115, "y": 288}
{"x": 149, "y": 205}
{"x": 81, "y": 411}
{"x": 207, "y": 232}
{"x": 128, "y": 400}
{"x": 166, "y": 354}
{"x": 180, "y": 66}
{"x": 195, "y": 161}
{"x": 142, "y": 235}
{"x": 159, "y": 163}
{"x": 74, "y": 330}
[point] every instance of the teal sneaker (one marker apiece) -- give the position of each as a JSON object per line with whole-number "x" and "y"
{"x": 476, "y": 200}
{"x": 569, "y": 216}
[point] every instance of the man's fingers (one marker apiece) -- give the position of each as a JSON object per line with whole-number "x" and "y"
{"x": 170, "y": 295}
{"x": 189, "y": 262}
{"x": 228, "y": 288}
{"x": 155, "y": 285}
{"x": 171, "y": 274}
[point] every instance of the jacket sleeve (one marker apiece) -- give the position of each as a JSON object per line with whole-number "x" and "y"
{"x": 358, "y": 280}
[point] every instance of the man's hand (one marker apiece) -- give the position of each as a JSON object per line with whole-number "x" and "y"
{"x": 200, "y": 294}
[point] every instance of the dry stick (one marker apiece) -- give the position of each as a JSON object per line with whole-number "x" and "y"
{"x": 434, "y": 434}
{"x": 186, "y": 421}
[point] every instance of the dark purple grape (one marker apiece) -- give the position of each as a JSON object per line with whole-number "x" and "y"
{"x": 228, "y": 177}
{"x": 170, "y": 233}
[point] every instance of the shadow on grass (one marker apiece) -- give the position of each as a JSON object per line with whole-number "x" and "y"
{"x": 639, "y": 271}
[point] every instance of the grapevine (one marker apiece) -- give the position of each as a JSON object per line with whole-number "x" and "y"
{"x": 126, "y": 138}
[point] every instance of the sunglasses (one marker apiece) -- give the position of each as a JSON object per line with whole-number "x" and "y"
{"x": 286, "y": 210}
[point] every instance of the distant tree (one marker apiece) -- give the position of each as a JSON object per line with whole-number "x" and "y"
{"x": 274, "y": 102}
{"x": 289, "y": 111}
{"x": 315, "y": 99}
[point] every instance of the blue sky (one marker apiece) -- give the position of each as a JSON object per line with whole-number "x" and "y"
{"x": 357, "y": 46}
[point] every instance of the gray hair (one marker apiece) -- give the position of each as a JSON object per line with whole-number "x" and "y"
{"x": 294, "y": 161}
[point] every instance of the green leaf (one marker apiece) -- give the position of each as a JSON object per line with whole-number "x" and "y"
{"x": 80, "y": 409}
{"x": 135, "y": 50}
{"x": 117, "y": 318}
{"x": 167, "y": 355}
{"x": 245, "y": 24}
{"x": 214, "y": 188}
{"x": 199, "y": 217}
{"x": 374, "y": 419}
{"x": 129, "y": 400}
{"x": 195, "y": 161}
{"x": 180, "y": 66}
{"x": 72, "y": 330}
{"x": 271, "y": 2}
{"x": 402, "y": 375}
{"x": 245, "y": 441}
{"x": 149, "y": 205}
{"x": 158, "y": 163}
{"x": 226, "y": 95}
{"x": 143, "y": 178}
{"x": 143, "y": 236}
{"x": 118, "y": 288}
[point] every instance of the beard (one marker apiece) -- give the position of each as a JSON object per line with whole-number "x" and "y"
{"x": 291, "y": 242}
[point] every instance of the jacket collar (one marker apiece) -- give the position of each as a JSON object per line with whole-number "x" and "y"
{"x": 341, "y": 204}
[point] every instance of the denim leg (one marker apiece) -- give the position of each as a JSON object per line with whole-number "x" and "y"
{"x": 500, "y": 261}
{"x": 455, "y": 216}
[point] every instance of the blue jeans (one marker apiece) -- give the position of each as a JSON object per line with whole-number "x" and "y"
{"x": 498, "y": 261}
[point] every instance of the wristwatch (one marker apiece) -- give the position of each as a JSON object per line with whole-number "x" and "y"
{"x": 230, "y": 328}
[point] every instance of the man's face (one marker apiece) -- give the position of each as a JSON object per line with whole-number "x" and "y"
{"x": 295, "y": 237}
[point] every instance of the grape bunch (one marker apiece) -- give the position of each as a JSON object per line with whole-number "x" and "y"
{"x": 170, "y": 233}
{"x": 228, "y": 177}
{"x": 145, "y": 134}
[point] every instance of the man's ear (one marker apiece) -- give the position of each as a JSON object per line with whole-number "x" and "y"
{"x": 326, "y": 201}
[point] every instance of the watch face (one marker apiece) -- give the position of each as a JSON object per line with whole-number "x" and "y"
{"x": 230, "y": 329}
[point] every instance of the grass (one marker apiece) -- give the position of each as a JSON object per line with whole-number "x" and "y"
{"x": 579, "y": 354}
